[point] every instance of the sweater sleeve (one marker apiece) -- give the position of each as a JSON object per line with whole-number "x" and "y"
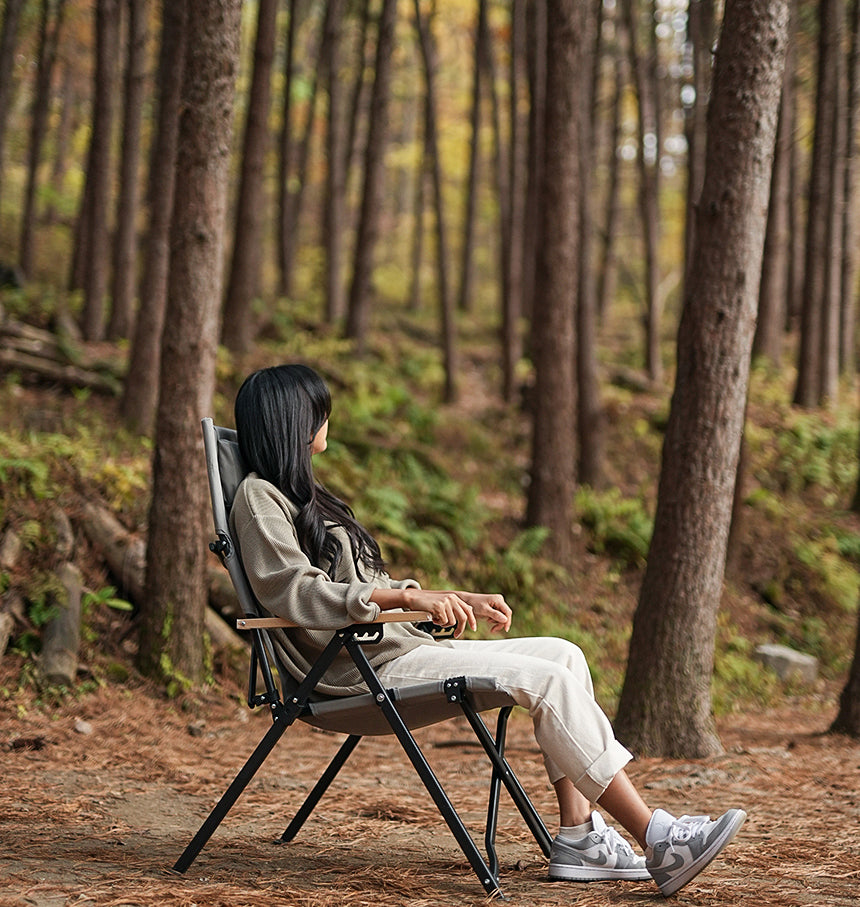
{"x": 284, "y": 580}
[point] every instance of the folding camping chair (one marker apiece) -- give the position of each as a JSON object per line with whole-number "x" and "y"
{"x": 379, "y": 711}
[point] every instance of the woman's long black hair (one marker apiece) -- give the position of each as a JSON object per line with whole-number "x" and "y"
{"x": 279, "y": 411}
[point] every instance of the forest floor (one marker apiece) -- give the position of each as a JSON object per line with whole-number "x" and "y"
{"x": 103, "y": 792}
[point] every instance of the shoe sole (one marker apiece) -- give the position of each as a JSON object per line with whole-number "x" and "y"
{"x": 596, "y": 874}
{"x": 691, "y": 871}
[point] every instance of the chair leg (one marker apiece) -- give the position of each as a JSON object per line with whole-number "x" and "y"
{"x": 486, "y": 877}
{"x": 502, "y": 772}
{"x": 231, "y": 795}
{"x": 320, "y": 787}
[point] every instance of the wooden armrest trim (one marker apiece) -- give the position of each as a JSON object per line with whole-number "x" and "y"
{"x": 386, "y": 617}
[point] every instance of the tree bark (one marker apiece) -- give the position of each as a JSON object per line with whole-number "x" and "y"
{"x": 140, "y": 393}
{"x": 172, "y": 616}
{"x": 848, "y": 277}
{"x": 553, "y": 468}
{"x": 50, "y": 26}
{"x": 358, "y": 314}
{"x": 8, "y": 39}
{"x": 239, "y": 330}
{"x": 467, "y": 276}
{"x": 808, "y": 389}
{"x": 446, "y": 309}
{"x": 776, "y": 260}
{"x": 590, "y": 420}
{"x": 847, "y": 719}
{"x": 700, "y": 30}
{"x": 648, "y": 161}
{"x": 337, "y": 156}
{"x": 124, "y": 281}
{"x": 97, "y": 195}
{"x": 665, "y": 705}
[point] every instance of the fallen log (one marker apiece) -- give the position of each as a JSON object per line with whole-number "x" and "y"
{"x": 61, "y": 638}
{"x": 67, "y": 375}
{"x": 125, "y": 554}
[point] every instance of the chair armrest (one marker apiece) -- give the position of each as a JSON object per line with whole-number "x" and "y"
{"x": 386, "y": 617}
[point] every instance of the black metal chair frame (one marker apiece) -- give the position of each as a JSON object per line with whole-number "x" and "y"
{"x": 290, "y": 700}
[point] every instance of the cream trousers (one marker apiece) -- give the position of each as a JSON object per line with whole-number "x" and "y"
{"x": 547, "y": 676}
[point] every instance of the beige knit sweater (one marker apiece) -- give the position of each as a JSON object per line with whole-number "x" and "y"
{"x": 288, "y": 585}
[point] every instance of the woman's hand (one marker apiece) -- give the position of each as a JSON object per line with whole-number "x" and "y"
{"x": 449, "y": 609}
{"x": 446, "y": 609}
{"x": 491, "y": 608}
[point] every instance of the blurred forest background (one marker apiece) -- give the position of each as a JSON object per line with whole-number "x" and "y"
{"x": 479, "y": 221}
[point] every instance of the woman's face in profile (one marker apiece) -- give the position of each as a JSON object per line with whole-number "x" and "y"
{"x": 320, "y": 439}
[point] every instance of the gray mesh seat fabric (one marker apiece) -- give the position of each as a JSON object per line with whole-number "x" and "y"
{"x": 290, "y": 696}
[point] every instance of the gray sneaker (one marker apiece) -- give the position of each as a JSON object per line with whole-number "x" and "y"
{"x": 679, "y": 849}
{"x": 602, "y": 855}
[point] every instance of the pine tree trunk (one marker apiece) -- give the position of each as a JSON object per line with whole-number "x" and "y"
{"x": 140, "y": 393}
{"x": 517, "y": 187}
{"x": 553, "y": 469}
{"x": 172, "y": 615}
{"x": 128, "y": 209}
{"x": 8, "y": 39}
{"x": 335, "y": 190}
{"x": 665, "y": 705}
{"x": 847, "y": 720}
{"x": 590, "y": 422}
{"x": 643, "y": 68}
{"x": 537, "y": 115}
{"x": 808, "y": 390}
{"x": 467, "y": 277}
{"x": 49, "y": 35}
{"x": 243, "y": 287}
{"x": 96, "y": 262}
{"x": 431, "y": 143}
{"x": 847, "y": 357}
{"x": 358, "y": 314}
{"x": 774, "y": 290}
{"x": 607, "y": 272}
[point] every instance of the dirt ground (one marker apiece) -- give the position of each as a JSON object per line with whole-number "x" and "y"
{"x": 103, "y": 792}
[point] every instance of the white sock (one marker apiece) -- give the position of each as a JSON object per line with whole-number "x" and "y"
{"x": 575, "y": 832}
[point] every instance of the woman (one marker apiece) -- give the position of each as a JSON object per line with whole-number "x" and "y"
{"x": 309, "y": 560}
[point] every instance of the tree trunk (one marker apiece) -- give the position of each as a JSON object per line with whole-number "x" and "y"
{"x": 290, "y": 213}
{"x": 336, "y": 154}
{"x": 243, "y": 287}
{"x": 607, "y": 272}
{"x": 665, "y": 705}
{"x": 808, "y": 390}
{"x": 590, "y": 421}
{"x": 128, "y": 208}
{"x": 172, "y": 616}
{"x": 832, "y": 310}
{"x": 648, "y": 160}
{"x": 8, "y": 39}
{"x": 517, "y": 187}
{"x": 358, "y": 314}
{"x": 847, "y": 720}
{"x": 49, "y": 35}
{"x": 553, "y": 469}
{"x": 700, "y": 31}
{"x": 140, "y": 394}
{"x": 774, "y": 290}
{"x": 537, "y": 115}
{"x": 467, "y": 276}
{"x": 98, "y": 192}
{"x": 418, "y": 232}
{"x": 431, "y": 142}
{"x": 847, "y": 355}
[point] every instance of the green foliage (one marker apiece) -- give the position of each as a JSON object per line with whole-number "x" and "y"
{"x": 105, "y": 597}
{"x": 619, "y": 527}
{"x": 811, "y": 452}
